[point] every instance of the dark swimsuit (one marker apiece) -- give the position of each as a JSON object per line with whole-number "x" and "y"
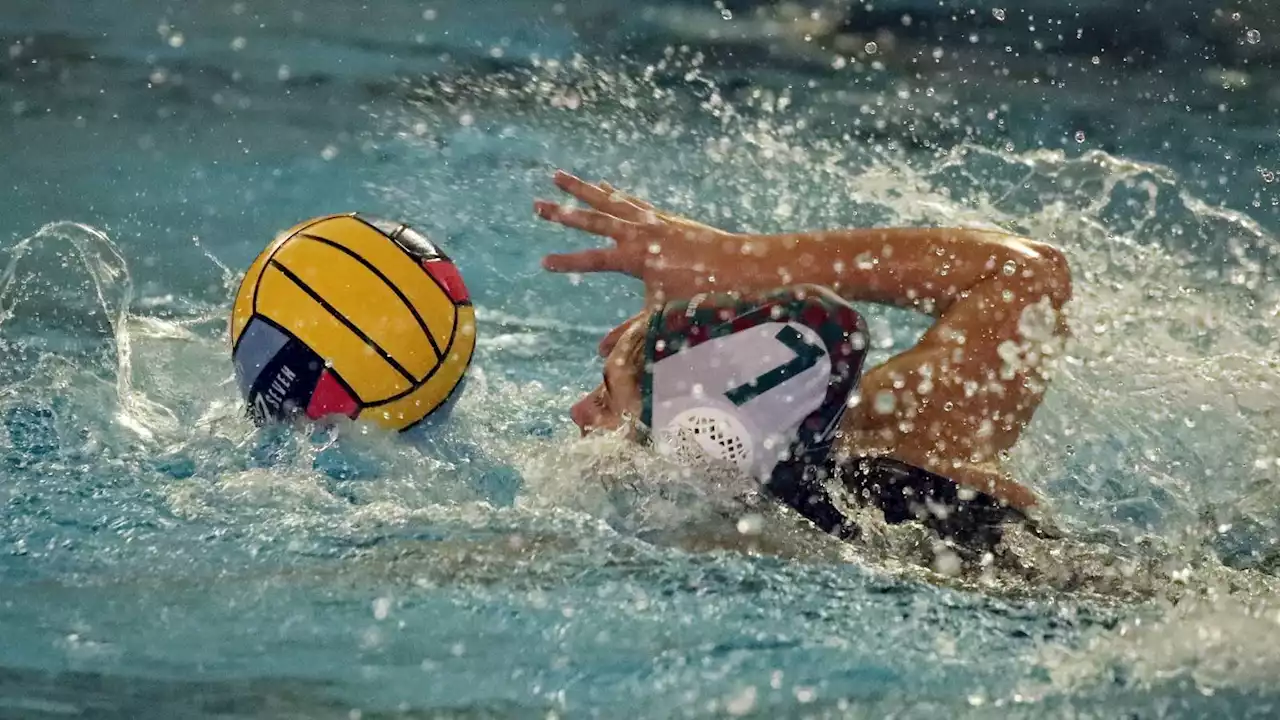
{"x": 901, "y": 491}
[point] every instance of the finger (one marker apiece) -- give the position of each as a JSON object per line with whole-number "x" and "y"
{"x": 598, "y": 198}
{"x": 642, "y": 204}
{"x": 592, "y": 221}
{"x": 611, "y": 338}
{"x": 583, "y": 261}
{"x": 657, "y": 215}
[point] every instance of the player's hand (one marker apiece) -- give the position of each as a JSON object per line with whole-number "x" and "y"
{"x": 674, "y": 256}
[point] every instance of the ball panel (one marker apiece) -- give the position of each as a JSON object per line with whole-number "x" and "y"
{"x": 242, "y": 308}
{"x": 358, "y": 294}
{"x": 417, "y": 245}
{"x": 259, "y": 342}
{"x": 370, "y": 374}
{"x": 331, "y": 397}
{"x": 446, "y": 275}
{"x": 285, "y": 385}
{"x": 405, "y": 411}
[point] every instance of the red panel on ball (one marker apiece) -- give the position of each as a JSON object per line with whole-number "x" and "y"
{"x": 330, "y": 398}
{"x": 447, "y": 275}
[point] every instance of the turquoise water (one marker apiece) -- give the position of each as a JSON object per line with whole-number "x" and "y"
{"x": 162, "y": 558}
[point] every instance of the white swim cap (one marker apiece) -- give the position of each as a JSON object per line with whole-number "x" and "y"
{"x": 752, "y": 381}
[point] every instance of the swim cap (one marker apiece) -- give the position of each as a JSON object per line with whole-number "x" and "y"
{"x": 754, "y": 381}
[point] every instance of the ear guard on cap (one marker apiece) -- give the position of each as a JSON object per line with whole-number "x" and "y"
{"x": 710, "y": 432}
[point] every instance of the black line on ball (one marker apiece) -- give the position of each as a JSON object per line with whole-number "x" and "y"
{"x": 342, "y": 319}
{"x": 431, "y": 374}
{"x": 337, "y": 377}
{"x": 386, "y": 281}
{"x": 395, "y": 239}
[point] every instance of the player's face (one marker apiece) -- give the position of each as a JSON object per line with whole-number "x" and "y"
{"x": 618, "y": 395}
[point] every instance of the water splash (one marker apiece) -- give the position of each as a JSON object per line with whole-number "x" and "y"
{"x": 64, "y": 300}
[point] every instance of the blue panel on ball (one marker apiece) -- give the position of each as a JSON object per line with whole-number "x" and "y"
{"x": 260, "y": 342}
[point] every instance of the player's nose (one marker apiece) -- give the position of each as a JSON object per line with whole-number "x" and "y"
{"x": 583, "y": 414}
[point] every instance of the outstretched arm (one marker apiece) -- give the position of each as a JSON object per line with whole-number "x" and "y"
{"x": 923, "y": 268}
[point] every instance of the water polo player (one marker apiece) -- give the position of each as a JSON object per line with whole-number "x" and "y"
{"x": 748, "y": 352}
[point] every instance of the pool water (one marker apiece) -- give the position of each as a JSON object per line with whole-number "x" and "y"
{"x": 162, "y": 557}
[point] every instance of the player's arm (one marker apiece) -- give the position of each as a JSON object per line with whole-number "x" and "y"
{"x": 923, "y": 268}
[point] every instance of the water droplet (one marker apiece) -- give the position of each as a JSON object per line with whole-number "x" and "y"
{"x": 741, "y": 703}
{"x": 467, "y": 120}
{"x": 429, "y": 14}
{"x": 946, "y": 562}
{"x": 885, "y": 402}
{"x": 998, "y": 13}
{"x": 871, "y": 48}
{"x": 750, "y": 524}
{"x": 330, "y": 152}
{"x": 176, "y": 40}
{"x": 283, "y": 73}
{"x": 726, "y": 13}
{"x": 986, "y": 429}
{"x": 1253, "y": 36}
{"x": 381, "y": 608}
{"x": 1009, "y": 268}
{"x": 1079, "y": 136}
{"x": 1096, "y": 60}
{"x": 238, "y": 44}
